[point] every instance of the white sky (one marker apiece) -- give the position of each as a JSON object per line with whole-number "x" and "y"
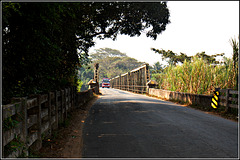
{"x": 195, "y": 26}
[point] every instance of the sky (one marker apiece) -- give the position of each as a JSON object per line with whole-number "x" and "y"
{"x": 196, "y": 26}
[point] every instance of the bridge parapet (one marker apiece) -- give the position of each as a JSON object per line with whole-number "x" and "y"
{"x": 37, "y": 117}
{"x": 135, "y": 80}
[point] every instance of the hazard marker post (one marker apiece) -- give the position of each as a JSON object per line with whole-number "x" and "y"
{"x": 215, "y": 99}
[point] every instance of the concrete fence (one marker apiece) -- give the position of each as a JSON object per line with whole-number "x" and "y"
{"x": 198, "y": 99}
{"x": 228, "y": 97}
{"x": 29, "y": 120}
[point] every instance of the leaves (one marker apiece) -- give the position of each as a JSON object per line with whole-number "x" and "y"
{"x": 112, "y": 62}
{"x": 173, "y": 58}
{"x": 44, "y": 43}
{"x": 9, "y": 123}
{"x": 197, "y": 76}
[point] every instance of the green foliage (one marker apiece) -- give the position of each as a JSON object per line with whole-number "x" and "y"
{"x": 156, "y": 68}
{"x": 113, "y": 62}
{"x": 85, "y": 74}
{"x": 9, "y": 123}
{"x": 44, "y": 43}
{"x": 79, "y": 85}
{"x": 235, "y": 45}
{"x": 197, "y": 77}
{"x": 12, "y": 121}
{"x": 209, "y": 59}
{"x": 105, "y": 53}
{"x": 173, "y": 58}
{"x": 14, "y": 145}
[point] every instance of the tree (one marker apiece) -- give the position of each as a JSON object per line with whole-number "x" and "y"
{"x": 209, "y": 59}
{"x": 173, "y": 58}
{"x": 85, "y": 74}
{"x": 235, "y": 45}
{"x": 157, "y": 68}
{"x": 43, "y": 43}
{"x": 112, "y": 62}
{"x": 106, "y": 52}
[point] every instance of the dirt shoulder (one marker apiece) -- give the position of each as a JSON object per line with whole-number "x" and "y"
{"x": 67, "y": 141}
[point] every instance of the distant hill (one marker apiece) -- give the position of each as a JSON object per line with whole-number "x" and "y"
{"x": 112, "y": 62}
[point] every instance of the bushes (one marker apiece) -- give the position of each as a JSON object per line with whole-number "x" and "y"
{"x": 197, "y": 76}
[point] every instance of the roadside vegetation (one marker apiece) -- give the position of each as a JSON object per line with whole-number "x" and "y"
{"x": 199, "y": 74}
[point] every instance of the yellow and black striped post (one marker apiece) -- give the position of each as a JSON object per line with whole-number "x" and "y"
{"x": 215, "y": 99}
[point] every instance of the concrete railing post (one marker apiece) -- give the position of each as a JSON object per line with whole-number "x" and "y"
{"x": 56, "y": 110}
{"x": 24, "y": 133}
{"x": 39, "y": 124}
{"x": 74, "y": 97}
{"x": 226, "y": 103}
{"x": 62, "y": 106}
{"x": 66, "y": 102}
{"x": 50, "y": 112}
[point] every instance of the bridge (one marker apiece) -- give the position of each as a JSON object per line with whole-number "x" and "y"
{"x": 127, "y": 123}
{"x": 122, "y": 124}
{"x": 134, "y": 81}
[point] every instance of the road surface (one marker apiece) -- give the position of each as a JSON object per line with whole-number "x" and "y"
{"x": 122, "y": 124}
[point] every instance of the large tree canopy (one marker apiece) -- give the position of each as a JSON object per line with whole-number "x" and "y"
{"x": 44, "y": 42}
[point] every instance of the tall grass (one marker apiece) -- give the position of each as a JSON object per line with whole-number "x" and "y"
{"x": 197, "y": 77}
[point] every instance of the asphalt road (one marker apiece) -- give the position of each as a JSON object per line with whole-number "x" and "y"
{"x": 122, "y": 124}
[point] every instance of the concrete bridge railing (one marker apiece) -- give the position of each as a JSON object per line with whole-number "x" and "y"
{"x": 138, "y": 81}
{"x": 29, "y": 120}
